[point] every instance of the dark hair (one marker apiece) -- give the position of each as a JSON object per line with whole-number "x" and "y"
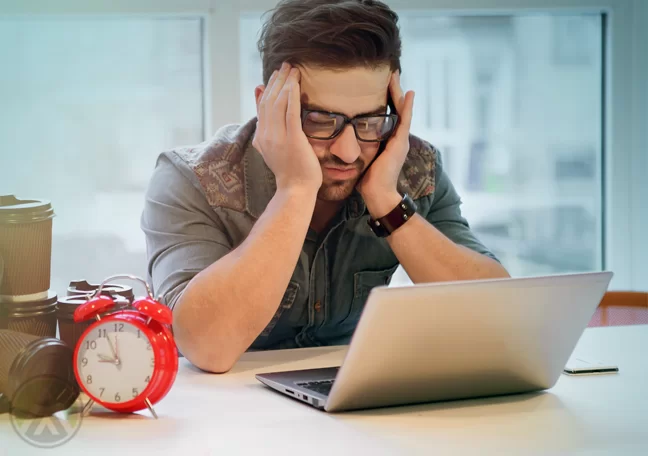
{"x": 337, "y": 34}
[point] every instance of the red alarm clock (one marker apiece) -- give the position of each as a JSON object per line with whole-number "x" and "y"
{"x": 127, "y": 360}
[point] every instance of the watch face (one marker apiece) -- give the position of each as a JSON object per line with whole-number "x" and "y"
{"x": 115, "y": 361}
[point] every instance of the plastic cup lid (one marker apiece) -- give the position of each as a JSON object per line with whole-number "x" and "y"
{"x": 14, "y": 210}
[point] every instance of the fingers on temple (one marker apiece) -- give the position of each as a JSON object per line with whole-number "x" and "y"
{"x": 293, "y": 111}
{"x": 278, "y": 83}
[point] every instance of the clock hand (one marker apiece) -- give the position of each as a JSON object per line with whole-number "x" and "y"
{"x": 105, "y": 359}
{"x": 116, "y": 359}
{"x": 118, "y": 362}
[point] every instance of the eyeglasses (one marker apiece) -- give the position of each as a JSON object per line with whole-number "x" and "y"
{"x": 327, "y": 125}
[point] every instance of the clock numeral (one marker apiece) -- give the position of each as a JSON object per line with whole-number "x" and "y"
{"x": 135, "y": 392}
{"x": 91, "y": 345}
{"x": 148, "y": 346}
{"x": 89, "y": 379}
{"x": 102, "y": 391}
{"x": 119, "y": 327}
{"x": 84, "y": 361}
{"x": 139, "y": 334}
{"x": 148, "y": 379}
{"x": 117, "y": 397}
{"x": 152, "y": 362}
{"x": 102, "y": 333}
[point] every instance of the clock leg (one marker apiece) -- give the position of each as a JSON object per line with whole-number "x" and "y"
{"x": 150, "y": 407}
{"x": 87, "y": 407}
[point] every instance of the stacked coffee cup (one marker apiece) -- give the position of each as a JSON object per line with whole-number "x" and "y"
{"x": 36, "y": 373}
{"x": 27, "y": 304}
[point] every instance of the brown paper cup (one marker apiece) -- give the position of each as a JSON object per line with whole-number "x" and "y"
{"x": 35, "y": 317}
{"x": 25, "y": 246}
{"x": 36, "y": 374}
{"x": 83, "y": 288}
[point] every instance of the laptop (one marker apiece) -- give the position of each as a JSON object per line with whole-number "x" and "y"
{"x": 453, "y": 340}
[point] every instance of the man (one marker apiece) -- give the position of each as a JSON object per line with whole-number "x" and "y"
{"x": 259, "y": 238}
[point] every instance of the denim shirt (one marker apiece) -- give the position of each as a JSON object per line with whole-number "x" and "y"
{"x": 203, "y": 201}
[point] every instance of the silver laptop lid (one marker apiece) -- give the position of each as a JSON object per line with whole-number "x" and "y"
{"x": 457, "y": 340}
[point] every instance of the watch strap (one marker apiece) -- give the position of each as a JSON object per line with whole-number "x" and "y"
{"x": 384, "y": 226}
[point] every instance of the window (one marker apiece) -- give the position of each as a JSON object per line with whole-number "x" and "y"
{"x": 544, "y": 55}
{"x": 87, "y": 105}
{"x": 514, "y": 103}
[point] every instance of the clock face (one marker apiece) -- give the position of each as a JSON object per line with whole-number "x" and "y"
{"x": 115, "y": 361}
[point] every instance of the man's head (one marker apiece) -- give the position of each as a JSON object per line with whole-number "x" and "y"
{"x": 346, "y": 51}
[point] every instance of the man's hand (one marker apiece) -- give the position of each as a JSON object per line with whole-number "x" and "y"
{"x": 279, "y": 136}
{"x": 379, "y": 186}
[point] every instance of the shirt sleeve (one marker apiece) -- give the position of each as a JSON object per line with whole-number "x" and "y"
{"x": 184, "y": 235}
{"x": 445, "y": 213}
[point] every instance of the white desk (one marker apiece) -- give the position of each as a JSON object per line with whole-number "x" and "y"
{"x": 234, "y": 414}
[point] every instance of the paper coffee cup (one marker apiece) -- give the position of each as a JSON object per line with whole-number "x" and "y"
{"x": 36, "y": 374}
{"x": 25, "y": 248}
{"x": 37, "y": 317}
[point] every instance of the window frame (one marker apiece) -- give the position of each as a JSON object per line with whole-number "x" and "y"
{"x": 625, "y": 106}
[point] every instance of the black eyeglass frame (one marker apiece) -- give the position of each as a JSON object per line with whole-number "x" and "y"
{"x": 352, "y": 121}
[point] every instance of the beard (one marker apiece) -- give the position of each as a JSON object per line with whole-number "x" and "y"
{"x": 338, "y": 190}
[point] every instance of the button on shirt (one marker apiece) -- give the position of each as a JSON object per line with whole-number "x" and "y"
{"x": 203, "y": 201}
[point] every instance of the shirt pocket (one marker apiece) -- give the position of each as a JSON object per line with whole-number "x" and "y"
{"x": 363, "y": 283}
{"x": 286, "y": 304}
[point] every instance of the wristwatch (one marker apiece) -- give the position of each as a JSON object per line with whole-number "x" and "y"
{"x": 384, "y": 226}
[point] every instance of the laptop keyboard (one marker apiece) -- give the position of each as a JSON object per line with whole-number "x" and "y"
{"x": 320, "y": 386}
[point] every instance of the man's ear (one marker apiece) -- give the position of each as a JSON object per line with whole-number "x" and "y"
{"x": 258, "y": 93}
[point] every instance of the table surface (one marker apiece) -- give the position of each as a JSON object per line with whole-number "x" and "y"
{"x": 234, "y": 414}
